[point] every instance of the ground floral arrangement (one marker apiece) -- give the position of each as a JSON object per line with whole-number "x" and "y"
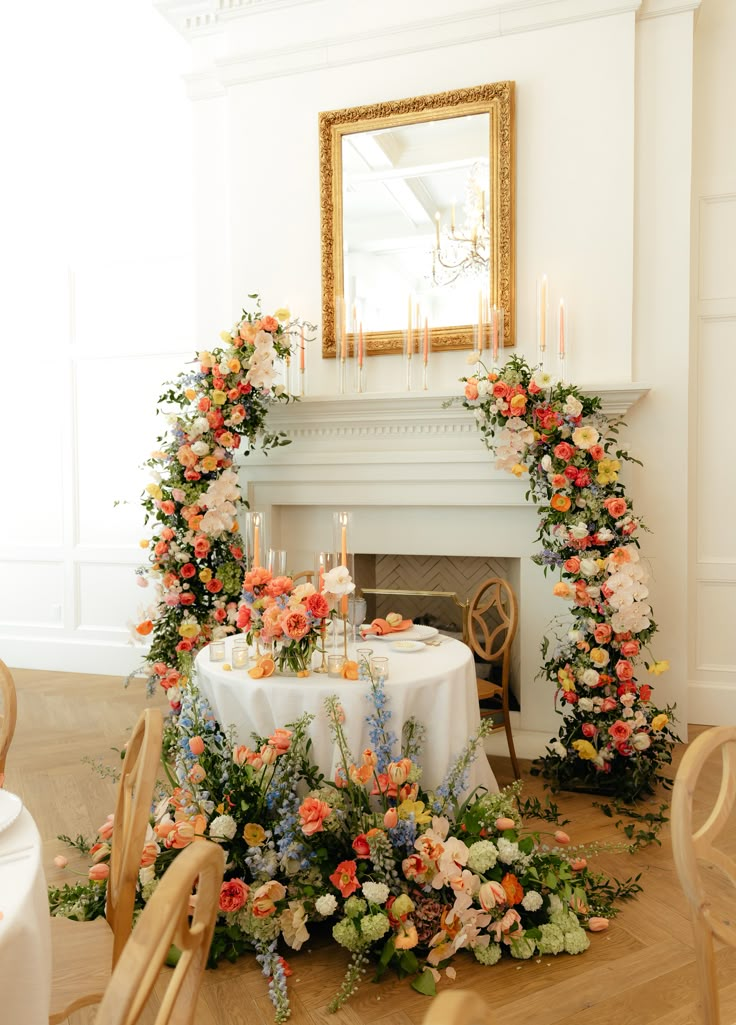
{"x": 613, "y": 738}
{"x": 405, "y": 878}
{"x": 195, "y": 548}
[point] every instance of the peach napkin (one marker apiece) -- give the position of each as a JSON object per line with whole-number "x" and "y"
{"x": 382, "y": 626}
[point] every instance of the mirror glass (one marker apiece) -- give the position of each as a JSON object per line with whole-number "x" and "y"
{"x": 417, "y": 218}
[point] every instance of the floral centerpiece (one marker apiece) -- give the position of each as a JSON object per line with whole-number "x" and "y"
{"x": 613, "y": 737}
{"x": 275, "y": 612}
{"x": 402, "y": 875}
{"x": 195, "y": 548}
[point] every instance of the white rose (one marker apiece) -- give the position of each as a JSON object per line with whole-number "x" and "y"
{"x": 640, "y": 741}
{"x": 573, "y": 406}
{"x": 484, "y": 388}
{"x": 590, "y": 678}
{"x": 588, "y": 567}
{"x": 200, "y": 448}
{"x": 585, "y": 704}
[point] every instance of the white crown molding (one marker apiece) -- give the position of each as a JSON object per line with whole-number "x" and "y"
{"x": 663, "y": 8}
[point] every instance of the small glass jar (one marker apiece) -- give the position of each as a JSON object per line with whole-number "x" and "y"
{"x": 335, "y": 664}
{"x": 379, "y": 669}
{"x": 217, "y": 651}
{"x": 364, "y": 662}
{"x": 241, "y": 654}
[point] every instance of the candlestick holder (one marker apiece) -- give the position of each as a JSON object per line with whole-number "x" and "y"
{"x": 360, "y": 378}
{"x": 322, "y": 667}
{"x": 425, "y": 376}
{"x": 344, "y": 617}
{"x": 408, "y": 353}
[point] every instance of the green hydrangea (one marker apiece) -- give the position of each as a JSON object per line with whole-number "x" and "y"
{"x": 373, "y": 927}
{"x": 482, "y": 856}
{"x": 355, "y": 907}
{"x": 347, "y": 935}
{"x": 148, "y": 889}
{"x": 576, "y": 941}
{"x": 566, "y": 921}
{"x": 488, "y": 955}
{"x": 265, "y": 929}
{"x": 522, "y": 949}
{"x": 231, "y": 576}
{"x": 552, "y": 940}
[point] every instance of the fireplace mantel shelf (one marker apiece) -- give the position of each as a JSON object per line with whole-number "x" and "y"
{"x": 376, "y": 411}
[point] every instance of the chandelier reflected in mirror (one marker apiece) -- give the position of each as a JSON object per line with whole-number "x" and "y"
{"x": 464, "y": 250}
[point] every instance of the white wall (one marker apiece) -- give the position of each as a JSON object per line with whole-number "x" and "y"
{"x": 712, "y": 693}
{"x": 96, "y": 312}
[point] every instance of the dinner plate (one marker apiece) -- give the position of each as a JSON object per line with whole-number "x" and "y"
{"x": 10, "y": 808}
{"x": 418, "y": 632}
{"x": 402, "y": 645}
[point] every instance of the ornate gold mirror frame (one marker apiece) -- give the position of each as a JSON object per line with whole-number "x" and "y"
{"x": 495, "y": 99}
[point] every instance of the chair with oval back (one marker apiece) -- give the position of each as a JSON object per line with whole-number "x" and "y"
{"x": 163, "y": 922}
{"x": 8, "y": 714}
{"x": 458, "y": 1007}
{"x": 492, "y": 619}
{"x": 692, "y": 845}
{"x": 84, "y": 953}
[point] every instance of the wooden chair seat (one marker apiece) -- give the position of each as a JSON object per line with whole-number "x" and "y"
{"x": 81, "y": 958}
{"x": 458, "y": 1007}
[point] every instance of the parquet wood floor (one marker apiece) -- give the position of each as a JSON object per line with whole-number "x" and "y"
{"x": 641, "y": 970}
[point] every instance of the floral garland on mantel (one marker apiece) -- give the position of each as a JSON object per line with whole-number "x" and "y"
{"x": 196, "y": 550}
{"x": 613, "y": 738}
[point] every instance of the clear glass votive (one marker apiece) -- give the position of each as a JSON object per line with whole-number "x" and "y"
{"x": 241, "y": 655}
{"x": 379, "y": 668}
{"x": 276, "y": 562}
{"x": 335, "y": 664}
{"x": 364, "y": 662}
{"x": 217, "y": 651}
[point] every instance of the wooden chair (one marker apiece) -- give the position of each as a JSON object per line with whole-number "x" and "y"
{"x": 458, "y": 1007}
{"x": 8, "y": 715}
{"x": 693, "y": 848}
{"x": 492, "y": 619}
{"x": 84, "y": 953}
{"x": 163, "y": 922}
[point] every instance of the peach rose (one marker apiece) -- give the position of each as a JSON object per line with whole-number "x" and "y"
{"x": 572, "y": 565}
{"x": 619, "y": 731}
{"x": 313, "y": 813}
{"x": 233, "y": 895}
{"x": 624, "y": 670}
{"x": 471, "y": 389}
{"x": 602, "y": 633}
{"x": 616, "y": 507}
{"x": 295, "y": 625}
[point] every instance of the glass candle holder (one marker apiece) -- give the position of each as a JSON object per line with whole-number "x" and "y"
{"x": 323, "y": 563}
{"x": 217, "y": 651}
{"x": 379, "y": 668}
{"x": 276, "y": 562}
{"x": 256, "y": 548}
{"x": 241, "y": 654}
{"x": 335, "y": 664}
{"x": 363, "y": 656}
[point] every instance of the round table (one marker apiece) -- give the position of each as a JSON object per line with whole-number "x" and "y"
{"x": 25, "y": 931}
{"x": 436, "y": 685}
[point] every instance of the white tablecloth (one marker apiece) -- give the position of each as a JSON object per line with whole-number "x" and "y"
{"x": 25, "y": 933}
{"x": 437, "y": 685}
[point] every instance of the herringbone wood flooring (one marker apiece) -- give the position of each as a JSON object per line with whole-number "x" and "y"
{"x": 641, "y": 970}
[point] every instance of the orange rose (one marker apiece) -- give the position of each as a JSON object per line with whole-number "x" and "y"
{"x": 616, "y": 507}
{"x": 313, "y": 813}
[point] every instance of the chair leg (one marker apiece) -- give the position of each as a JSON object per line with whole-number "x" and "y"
{"x": 512, "y": 749}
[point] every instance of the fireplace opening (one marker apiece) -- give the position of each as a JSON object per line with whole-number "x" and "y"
{"x": 461, "y": 575}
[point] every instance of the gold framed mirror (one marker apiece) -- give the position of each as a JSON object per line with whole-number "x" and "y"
{"x": 417, "y": 205}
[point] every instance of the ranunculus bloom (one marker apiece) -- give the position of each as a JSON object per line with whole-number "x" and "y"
{"x": 233, "y": 895}
{"x": 616, "y": 507}
{"x": 619, "y": 730}
{"x": 343, "y": 878}
{"x": 313, "y": 813}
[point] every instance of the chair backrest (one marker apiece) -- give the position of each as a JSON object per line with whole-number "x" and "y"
{"x": 8, "y": 714}
{"x": 458, "y": 1007}
{"x": 132, "y": 813}
{"x": 163, "y": 922}
{"x": 693, "y": 848}
{"x": 492, "y": 617}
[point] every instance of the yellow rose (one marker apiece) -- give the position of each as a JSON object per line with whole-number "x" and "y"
{"x": 659, "y": 722}
{"x": 599, "y": 656}
{"x": 205, "y": 575}
{"x": 518, "y": 403}
{"x": 190, "y": 394}
{"x": 144, "y": 543}
{"x": 226, "y": 337}
{"x": 254, "y": 835}
{"x": 281, "y": 313}
{"x": 585, "y": 749}
{"x": 518, "y": 470}
{"x": 154, "y": 491}
{"x": 233, "y": 365}
{"x": 218, "y": 397}
{"x": 207, "y": 359}
{"x": 657, "y": 668}
{"x": 209, "y": 463}
{"x": 189, "y": 630}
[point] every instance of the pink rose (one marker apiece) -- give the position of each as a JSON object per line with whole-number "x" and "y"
{"x": 589, "y": 730}
{"x": 602, "y": 633}
{"x": 630, "y": 649}
{"x": 624, "y": 670}
{"x": 608, "y": 704}
{"x": 564, "y": 451}
{"x": 233, "y": 895}
{"x": 313, "y": 813}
